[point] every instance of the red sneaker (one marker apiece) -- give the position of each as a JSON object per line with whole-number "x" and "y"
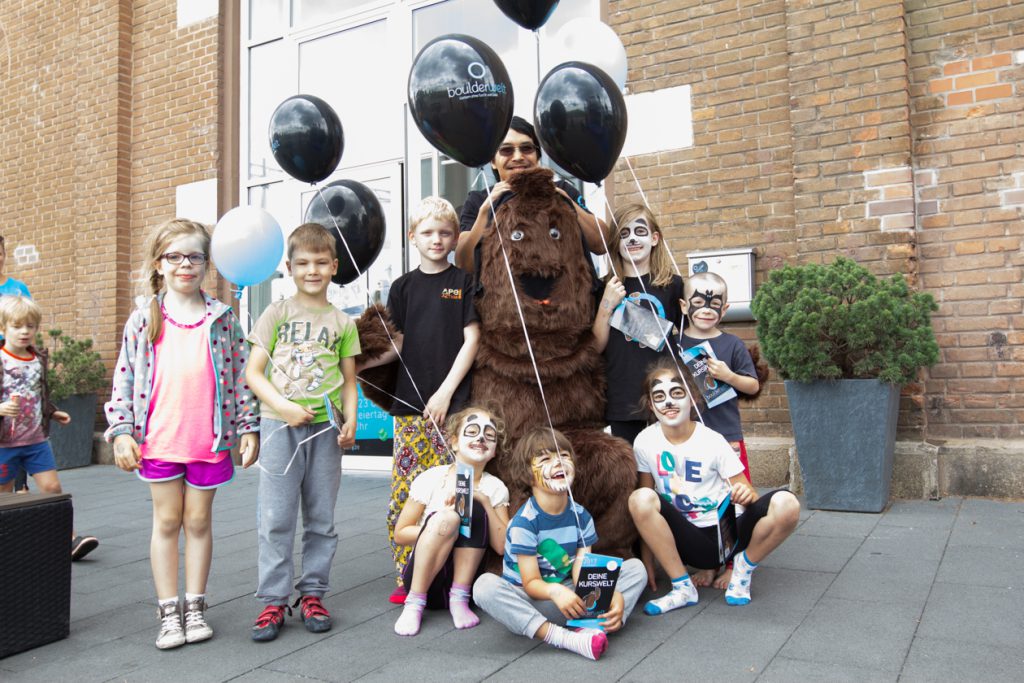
{"x": 314, "y": 615}
{"x": 398, "y": 596}
{"x": 269, "y": 623}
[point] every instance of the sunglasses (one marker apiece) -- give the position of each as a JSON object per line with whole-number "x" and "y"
{"x": 526, "y": 149}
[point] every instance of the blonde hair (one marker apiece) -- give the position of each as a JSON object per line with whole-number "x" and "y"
{"x": 312, "y": 237}
{"x": 17, "y": 308}
{"x": 661, "y": 264}
{"x": 438, "y": 208}
{"x": 713, "y": 281}
{"x": 157, "y": 242}
{"x": 533, "y": 443}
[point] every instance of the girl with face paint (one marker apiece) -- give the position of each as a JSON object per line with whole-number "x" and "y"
{"x": 443, "y": 563}
{"x": 685, "y": 471}
{"x": 546, "y": 542}
{"x": 639, "y": 256}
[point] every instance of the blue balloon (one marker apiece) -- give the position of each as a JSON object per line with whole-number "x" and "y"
{"x": 247, "y": 245}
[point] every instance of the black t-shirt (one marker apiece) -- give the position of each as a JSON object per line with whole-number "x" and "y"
{"x": 627, "y": 361}
{"x": 725, "y": 417}
{"x": 475, "y": 199}
{"x": 431, "y": 310}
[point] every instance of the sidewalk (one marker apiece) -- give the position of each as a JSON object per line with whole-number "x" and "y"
{"x": 925, "y": 591}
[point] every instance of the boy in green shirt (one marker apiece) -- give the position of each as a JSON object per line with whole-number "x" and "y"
{"x": 311, "y": 347}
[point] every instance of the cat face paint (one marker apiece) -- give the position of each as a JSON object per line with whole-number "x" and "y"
{"x": 669, "y": 400}
{"x": 478, "y": 441}
{"x": 705, "y": 309}
{"x": 636, "y": 241}
{"x": 553, "y": 472}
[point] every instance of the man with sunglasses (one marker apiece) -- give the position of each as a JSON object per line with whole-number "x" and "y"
{"x": 519, "y": 151}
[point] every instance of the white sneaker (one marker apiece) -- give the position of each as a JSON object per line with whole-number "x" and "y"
{"x": 171, "y": 633}
{"x": 196, "y": 628}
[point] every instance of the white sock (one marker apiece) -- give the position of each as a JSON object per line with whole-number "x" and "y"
{"x": 738, "y": 592}
{"x": 589, "y": 642}
{"x": 683, "y": 594}
{"x": 189, "y": 597}
{"x": 168, "y": 601}
{"x": 408, "y": 623}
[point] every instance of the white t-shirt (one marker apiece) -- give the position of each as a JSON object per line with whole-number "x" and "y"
{"x": 435, "y": 486}
{"x": 694, "y": 475}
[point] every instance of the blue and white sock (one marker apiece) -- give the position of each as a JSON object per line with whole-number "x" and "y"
{"x": 738, "y": 592}
{"x": 683, "y": 594}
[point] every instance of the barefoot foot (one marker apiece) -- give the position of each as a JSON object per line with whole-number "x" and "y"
{"x": 703, "y": 577}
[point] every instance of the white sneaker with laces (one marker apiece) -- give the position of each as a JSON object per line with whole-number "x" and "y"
{"x": 171, "y": 633}
{"x": 196, "y": 628}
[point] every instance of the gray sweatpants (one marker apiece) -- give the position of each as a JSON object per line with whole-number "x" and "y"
{"x": 312, "y": 481}
{"x": 521, "y": 614}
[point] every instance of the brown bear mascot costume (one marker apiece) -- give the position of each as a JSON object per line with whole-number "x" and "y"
{"x": 554, "y": 284}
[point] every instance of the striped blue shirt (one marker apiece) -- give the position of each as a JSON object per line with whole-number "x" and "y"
{"x": 554, "y": 539}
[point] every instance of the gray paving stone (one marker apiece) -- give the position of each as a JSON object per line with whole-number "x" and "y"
{"x": 985, "y": 523}
{"x": 838, "y": 524}
{"x": 885, "y": 579}
{"x": 429, "y": 665}
{"x": 851, "y": 633}
{"x": 985, "y": 566}
{"x": 934, "y": 659}
{"x": 813, "y": 553}
{"x": 786, "y": 670}
{"x": 906, "y": 542}
{"x": 922, "y": 513}
{"x": 778, "y": 595}
{"x": 973, "y": 615}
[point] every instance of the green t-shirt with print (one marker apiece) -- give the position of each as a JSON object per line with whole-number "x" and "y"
{"x": 305, "y": 347}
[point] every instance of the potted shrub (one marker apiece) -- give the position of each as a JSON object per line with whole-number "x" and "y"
{"x": 75, "y": 373}
{"x": 845, "y": 341}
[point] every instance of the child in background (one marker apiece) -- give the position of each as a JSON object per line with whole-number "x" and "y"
{"x": 707, "y": 300}
{"x": 312, "y": 347}
{"x": 179, "y": 404}
{"x": 639, "y": 254}
{"x": 11, "y": 287}
{"x": 432, "y": 307}
{"x": 26, "y": 408}
{"x": 546, "y": 542}
{"x": 430, "y": 523}
{"x": 686, "y": 470}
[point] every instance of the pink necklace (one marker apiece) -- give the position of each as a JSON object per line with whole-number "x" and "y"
{"x": 189, "y": 326}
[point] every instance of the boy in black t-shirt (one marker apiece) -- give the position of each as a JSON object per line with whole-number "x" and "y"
{"x": 432, "y": 307}
{"x": 706, "y": 299}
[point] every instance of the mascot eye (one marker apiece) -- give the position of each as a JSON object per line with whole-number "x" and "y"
{"x": 555, "y": 233}
{"x": 517, "y": 235}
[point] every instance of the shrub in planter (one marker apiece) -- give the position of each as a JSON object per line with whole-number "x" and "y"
{"x": 75, "y": 373}
{"x": 822, "y": 324}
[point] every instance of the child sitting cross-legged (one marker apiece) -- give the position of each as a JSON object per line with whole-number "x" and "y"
{"x": 444, "y": 562}
{"x": 546, "y": 542}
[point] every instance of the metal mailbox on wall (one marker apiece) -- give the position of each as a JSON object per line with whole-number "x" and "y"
{"x": 736, "y": 267}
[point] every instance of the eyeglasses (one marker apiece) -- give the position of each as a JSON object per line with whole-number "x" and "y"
{"x": 176, "y": 259}
{"x": 526, "y": 149}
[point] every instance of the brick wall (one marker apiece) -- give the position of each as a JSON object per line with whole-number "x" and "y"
{"x": 885, "y": 130}
{"x": 106, "y": 106}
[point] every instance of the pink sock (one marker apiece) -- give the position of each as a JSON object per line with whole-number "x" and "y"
{"x": 408, "y": 623}
{"x": 458, "y": 605}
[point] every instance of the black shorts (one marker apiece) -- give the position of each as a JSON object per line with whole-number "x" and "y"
{"x": 698, "y": 546}
{"x": 437, "y": 594}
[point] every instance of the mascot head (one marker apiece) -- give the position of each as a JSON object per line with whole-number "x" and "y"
{"x": 553, "y": 280}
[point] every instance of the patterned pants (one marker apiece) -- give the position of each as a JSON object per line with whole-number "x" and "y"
{"x": 418, "y": 447}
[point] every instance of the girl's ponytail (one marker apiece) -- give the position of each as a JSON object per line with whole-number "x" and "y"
{"x": 156, "y": 318}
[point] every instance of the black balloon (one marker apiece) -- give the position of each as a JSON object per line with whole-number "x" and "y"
{"x": 581, "y": 120}
{"x": 306, "y": 138}
{"x": 460, "y": 97}
{"x": 353, "y": 209}
{"x": 531, "y": 14}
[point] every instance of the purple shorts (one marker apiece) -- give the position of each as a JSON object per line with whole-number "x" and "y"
{"x": 198, "y": 475}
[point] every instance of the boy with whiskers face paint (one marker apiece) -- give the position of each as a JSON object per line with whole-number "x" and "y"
{"x": 686, "y": 471}
{"x": 544, "y": 549}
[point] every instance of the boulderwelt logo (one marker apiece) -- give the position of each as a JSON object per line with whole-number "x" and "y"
{"x": 476, "y": 87}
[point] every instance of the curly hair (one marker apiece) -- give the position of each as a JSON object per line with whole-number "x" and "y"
{"x": 453, "y": 425}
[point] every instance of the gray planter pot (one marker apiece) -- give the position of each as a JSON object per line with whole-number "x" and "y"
{"x": 845, "y": 433}
{"x": 72, "y": 444}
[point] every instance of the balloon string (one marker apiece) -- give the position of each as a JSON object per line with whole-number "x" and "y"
{"x": 664, "y": 335}
{"x": 380, "y": 317}
{"x": 287, "y": 467}
{"x": 643, "y": 196}
{"x": 529, "y": 348}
